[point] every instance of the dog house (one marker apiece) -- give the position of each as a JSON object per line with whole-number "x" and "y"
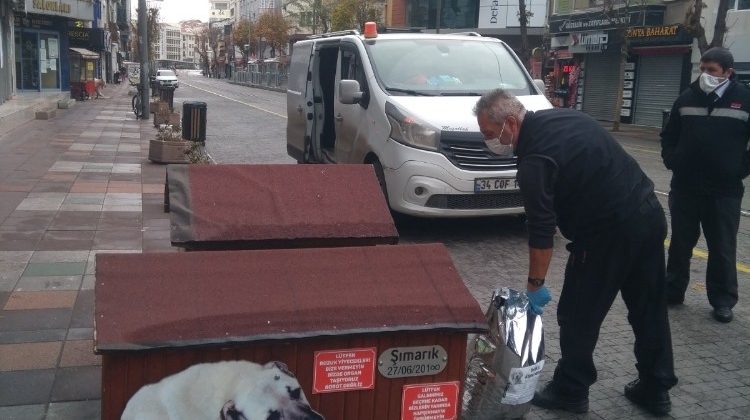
{"x": 371, "y": 332}
{"x": 276, "y": 206}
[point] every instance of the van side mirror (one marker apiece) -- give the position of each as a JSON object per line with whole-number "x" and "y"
{"x": 539, "y": 83}
{"x": 349, "y": 92}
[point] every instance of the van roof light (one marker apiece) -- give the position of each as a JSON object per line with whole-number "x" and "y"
{"x": 371, "y": 30}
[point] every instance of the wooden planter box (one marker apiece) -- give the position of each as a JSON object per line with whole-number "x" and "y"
{"x": 166, "y": 117}
{"x": 168, "y": 151}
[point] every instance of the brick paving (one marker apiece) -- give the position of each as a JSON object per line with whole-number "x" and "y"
{"x": 80, "y": 184}
{"x": 70, "y": 188}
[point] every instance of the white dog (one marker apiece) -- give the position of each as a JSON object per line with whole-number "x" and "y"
{"x": 236, "y": 390}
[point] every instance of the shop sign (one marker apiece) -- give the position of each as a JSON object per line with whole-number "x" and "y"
{"x": 436, "y": 401}
{"x": 652, "y": 31}
{"x": 648, "y": 15}
{"x": 30, "y": 21}
{"x": 659, "y": 35}
{"x": 402, "y": 362}
{"x": 91, "y": 38}
{"x": 628, "y": 91}
{"x": 76, "y": 9}
{"x": 588, "y": 42}
{"x": 344, "y": 370}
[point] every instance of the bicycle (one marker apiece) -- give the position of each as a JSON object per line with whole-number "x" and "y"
{"x": 137, "y": 105}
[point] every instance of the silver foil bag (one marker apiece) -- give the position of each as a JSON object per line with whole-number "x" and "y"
{"x": 505, "y": 364}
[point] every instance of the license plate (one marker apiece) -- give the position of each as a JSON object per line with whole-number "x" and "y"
{"x": 495, "y": 184}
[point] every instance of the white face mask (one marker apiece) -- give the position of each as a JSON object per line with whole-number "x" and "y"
{"x": 497, "y": 147}
{"x": 709, "y": 83}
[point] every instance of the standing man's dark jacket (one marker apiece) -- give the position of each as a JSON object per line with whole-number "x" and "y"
{"x": 574, "y": 174}
{"x": 705, "y": 142}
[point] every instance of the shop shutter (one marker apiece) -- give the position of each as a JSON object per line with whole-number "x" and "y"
{"x": 657, "y": 88}
{"x": 599, "y": 93}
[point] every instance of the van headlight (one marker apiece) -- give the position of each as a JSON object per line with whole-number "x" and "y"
{"x": 410, "y": 130}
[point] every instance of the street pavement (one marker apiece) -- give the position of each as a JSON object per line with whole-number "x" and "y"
{"x": 81, "y": 184}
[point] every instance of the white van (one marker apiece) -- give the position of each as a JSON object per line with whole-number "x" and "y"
{"x": 403, "y": 102}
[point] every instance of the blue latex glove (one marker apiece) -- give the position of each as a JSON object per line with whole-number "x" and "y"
{"x": 538, "y": 299}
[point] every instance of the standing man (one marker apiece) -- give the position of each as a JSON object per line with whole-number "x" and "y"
{"x": 574, "y": 175}
{"x": 705, "y": 146}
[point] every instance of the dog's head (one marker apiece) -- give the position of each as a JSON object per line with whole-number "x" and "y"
{"x": 276, "y": 396}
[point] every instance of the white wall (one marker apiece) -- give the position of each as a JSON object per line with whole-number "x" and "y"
{"x": 495, "y": 14}
{"x": 737, "y": 39}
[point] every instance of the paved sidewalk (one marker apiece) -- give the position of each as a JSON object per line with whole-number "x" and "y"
{"x": 70, "y": 187}
{"x": 81, "y": 184}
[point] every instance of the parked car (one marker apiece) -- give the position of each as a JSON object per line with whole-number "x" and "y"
{"x": 166, "y": 78}
{"x": 403, "y": 103}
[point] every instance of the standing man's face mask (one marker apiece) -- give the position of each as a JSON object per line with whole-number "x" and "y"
{"x": 498, "y": 147}
{"x": 709, "y": 83}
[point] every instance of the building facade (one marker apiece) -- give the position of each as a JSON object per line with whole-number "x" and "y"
{"x": 7, "y": 74}
{"x": 494, "y": 18}
{"x": 169, "y": 43}
{"x": 42, "y": 52}
{"x": 188, "y": 47}
{"x": 663, "y": 58}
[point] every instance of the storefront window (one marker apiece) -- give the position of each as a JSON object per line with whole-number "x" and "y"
{"x": 455, "y": 14}
{"x": 743, "y": 5}
{"x": 37, "y": 60}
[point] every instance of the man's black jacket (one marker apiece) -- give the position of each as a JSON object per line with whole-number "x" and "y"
{"x": 575, "y": 175}
{"x": 705, "y": 142}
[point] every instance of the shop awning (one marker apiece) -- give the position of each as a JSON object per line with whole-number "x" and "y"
{"x": 83, "y": 52}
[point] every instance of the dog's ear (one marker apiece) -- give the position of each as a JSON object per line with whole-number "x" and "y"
{"x": 230, "y": 412}
{"x": 280, "y": 366}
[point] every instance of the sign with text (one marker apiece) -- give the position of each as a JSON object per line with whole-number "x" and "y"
{"x": 438, "y": 401}
{"x": 344, "y": 370}
{"x": 76, "y": 9}
{"x": 402, "y": 362}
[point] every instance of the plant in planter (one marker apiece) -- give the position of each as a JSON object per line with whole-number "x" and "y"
{"x": 196, "y": 153}
{"x": 168, "y": 147}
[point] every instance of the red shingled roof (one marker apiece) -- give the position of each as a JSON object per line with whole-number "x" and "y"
{"x": 163, "y": 299}
{"x": 277, "y": 206}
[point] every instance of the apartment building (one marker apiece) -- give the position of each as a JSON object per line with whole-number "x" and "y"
{"x": 169, "y": 42}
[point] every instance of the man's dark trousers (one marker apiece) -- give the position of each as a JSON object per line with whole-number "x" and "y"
{"x": 720, "y": 217}
{"x": 628, "y": 259}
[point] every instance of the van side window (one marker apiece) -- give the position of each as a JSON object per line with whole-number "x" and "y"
{"x": 352, "y": 69}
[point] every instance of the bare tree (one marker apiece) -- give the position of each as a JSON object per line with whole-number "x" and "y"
{"x": 523, "y": 20}
{"x": 695, "y": 27}
{"x": 153, "y": 35}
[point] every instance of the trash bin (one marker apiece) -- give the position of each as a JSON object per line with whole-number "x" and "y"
{"x": 665, "y": 113}
{"x": 194, "y": 121}
{"x": 166, "y": 94}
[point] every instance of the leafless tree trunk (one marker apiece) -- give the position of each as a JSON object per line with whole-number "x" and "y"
{"x": 694, "y": 25}
{"x": 523, "y": 20}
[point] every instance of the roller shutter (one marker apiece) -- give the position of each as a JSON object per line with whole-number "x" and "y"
{"x": 602, "y": 78}
{"x": 657, "y": 88}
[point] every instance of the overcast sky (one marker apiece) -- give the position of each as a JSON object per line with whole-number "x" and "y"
{"x": 173, "y": 11}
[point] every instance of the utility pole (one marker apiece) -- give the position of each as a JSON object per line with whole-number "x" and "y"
{"x": 143, "y": 48}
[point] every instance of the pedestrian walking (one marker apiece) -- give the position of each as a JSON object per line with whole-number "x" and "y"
{"x": 572, "y": 174}
{"x": 705, "y": 144}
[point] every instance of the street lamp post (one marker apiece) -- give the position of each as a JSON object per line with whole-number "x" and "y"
{"x": 143, "y": 47}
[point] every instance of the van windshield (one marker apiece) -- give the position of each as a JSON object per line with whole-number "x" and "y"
{"x": 445, "y": 67}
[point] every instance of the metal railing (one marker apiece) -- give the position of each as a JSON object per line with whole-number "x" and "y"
{"x": 272, "y": 75}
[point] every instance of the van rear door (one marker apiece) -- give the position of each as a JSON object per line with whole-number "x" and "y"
{"x": 299, "y": 102}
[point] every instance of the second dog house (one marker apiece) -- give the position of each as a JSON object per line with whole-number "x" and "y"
{"x": 372, "y": 333}
{"x": 276, "y": 206}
